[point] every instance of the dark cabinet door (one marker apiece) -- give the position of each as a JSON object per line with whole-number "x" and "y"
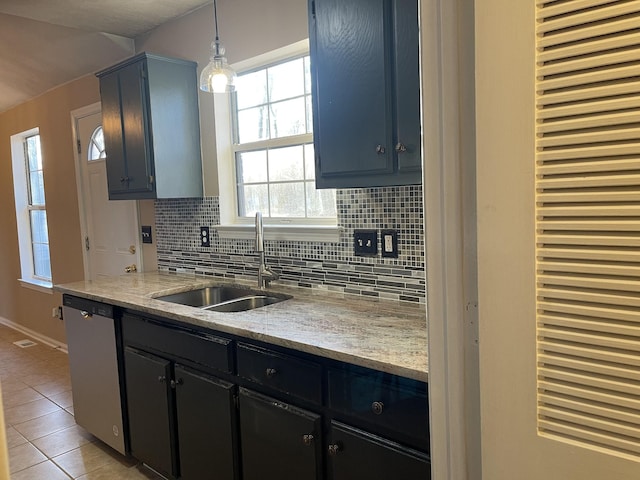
{"x": 407, "y": 141}
{"x": 206, "y": 426}
{"x": 351, "y": 90}
{"x": 355, "y": 454}
{"x": 278, "y": 440}
{"x": 125, "y": 120}
{"x": 113, "y": 135}
{"x": 147, "y": 382}
{"x": 134, "y": 111}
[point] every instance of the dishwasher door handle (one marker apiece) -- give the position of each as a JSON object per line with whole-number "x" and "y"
{"x": 86, "y": 315}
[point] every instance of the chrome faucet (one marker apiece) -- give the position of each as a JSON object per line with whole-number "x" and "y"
{"x": 265, "y": 274}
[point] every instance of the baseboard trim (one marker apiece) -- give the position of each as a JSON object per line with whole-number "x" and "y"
{"x": 35, "y": 335}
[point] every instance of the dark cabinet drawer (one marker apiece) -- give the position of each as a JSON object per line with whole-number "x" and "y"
{"x": 393, "y": 403}
{"x": 181, "y": 343}
{"x": 281, "y": 372}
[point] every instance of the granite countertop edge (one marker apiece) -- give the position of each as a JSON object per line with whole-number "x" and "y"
{"x": 329, "y": 324}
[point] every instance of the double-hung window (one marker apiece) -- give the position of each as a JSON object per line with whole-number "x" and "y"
{"x": 271, "y": 148}
{"x": 31, "y": 213}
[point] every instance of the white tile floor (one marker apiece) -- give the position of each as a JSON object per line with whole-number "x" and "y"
{"x": 43, "y": 440}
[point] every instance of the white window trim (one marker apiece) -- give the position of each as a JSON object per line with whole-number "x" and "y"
{"x": 231, "y": 226}
{"x": 27, "y": 279}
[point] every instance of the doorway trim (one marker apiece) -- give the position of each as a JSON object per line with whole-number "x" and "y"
{"x": 448, "y": 125}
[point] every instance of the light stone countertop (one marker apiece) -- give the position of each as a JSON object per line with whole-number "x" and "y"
{"x": 384, "y": 335}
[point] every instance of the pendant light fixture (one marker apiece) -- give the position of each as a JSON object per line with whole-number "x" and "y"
{"x": 217, "y": 76}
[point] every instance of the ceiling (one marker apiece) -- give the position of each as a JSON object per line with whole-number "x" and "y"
{"x": 46, "y": 43}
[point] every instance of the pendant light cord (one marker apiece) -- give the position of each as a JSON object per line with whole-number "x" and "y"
{"x": 215, "y": 18}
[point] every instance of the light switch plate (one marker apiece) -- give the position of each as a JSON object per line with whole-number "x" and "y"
{"x": 146, "y": 234}
{"x": 365, "y": 243}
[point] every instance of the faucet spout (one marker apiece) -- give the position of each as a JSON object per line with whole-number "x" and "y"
{"x": 259, "y": 233}
{"x": 265, "y": 274}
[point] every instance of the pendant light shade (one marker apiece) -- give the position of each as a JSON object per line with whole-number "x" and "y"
{"x": 217, "y": 76}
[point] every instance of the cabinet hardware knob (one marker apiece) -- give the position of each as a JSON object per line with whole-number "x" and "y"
{"x": 333, "y": 449}
{"x": 377, "y": 407}
{"x": 175, "y": 383}
{"x": 380, "y": 149}
{"x": 162, "y": 378}
{"x": 124, "y": 179}
{"x": 401, "y": 147}
{"x": 271, "y": 372}
{"x": 131, "y": 268}
{"x": 86, "y": 315}
{"x": 307, "y": 439}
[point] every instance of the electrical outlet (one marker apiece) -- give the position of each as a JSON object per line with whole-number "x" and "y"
{"x": 365, "y": 243}
{"x": 205, "y": 240}
{"x": 56, "y": 312}
{"x": 389, "y": 243}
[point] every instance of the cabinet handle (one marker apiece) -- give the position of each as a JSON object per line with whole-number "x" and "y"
{"x": 307, "y": 439}
{"x": 271, "y": 372}
{"x": 401, "y": 147}
{"x": 380, "y": 149}
{"x": 333, "y": 449}
{"x": 175, "y": 383}
{"x": 162, "y": 378}
{"x": 124, "y": 179}
{"x": 377, "y": 407}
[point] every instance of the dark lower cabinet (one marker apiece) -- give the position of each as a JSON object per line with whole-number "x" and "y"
{"x": 181, "y": 422}
{"x": 150, "y": 432}
{"x": 355, "y": 454}
{"x": 204, "y": 407}
{"x": 206, "y": 426}
{"x": 278, "y": 441}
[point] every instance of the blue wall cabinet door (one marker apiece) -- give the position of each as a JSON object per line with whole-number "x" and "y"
{"x": 366, "y": 92}
{"x": 151, "y": 128}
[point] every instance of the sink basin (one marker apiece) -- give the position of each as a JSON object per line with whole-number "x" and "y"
{"x": 204, "y": 297}
{"x": 224, "y": 298}
{"x": 244, "y": 303}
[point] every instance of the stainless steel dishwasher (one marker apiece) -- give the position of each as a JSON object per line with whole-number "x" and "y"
{"x": 93, "y": 364}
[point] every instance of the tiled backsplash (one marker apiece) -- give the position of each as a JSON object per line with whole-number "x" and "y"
{"x": 331, "y": 266}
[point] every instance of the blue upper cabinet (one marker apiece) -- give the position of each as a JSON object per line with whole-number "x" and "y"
{"x": 366, "y": 92}
{"x": 151, "y": 128}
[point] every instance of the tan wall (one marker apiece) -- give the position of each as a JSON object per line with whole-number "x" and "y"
{"x": 51, "y": 113}
{"x": 247, "y": 28}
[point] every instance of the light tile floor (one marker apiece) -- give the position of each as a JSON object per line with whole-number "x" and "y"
{"x": 43, "y": 440}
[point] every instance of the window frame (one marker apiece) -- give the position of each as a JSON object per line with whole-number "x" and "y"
{"x": 24, "y": 207}
{"x": 231, "y": 224}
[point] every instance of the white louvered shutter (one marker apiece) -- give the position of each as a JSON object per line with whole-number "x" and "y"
{"x": 588, "y": 223}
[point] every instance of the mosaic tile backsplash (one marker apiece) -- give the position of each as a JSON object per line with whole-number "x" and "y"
{"x": 330, "y": 266}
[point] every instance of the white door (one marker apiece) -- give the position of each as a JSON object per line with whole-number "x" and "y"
{"x": 558, "y": 236}
{"x": 110, "y": 228}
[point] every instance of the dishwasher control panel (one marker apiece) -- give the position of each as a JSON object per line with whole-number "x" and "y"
{"x": 89, "y": 306}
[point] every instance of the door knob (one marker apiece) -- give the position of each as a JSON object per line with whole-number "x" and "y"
{"x": 132, "y": 249}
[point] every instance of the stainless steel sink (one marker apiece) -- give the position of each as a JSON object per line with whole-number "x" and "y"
{"x": 224, "y": 298}
{"x": 244, "y": 303}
